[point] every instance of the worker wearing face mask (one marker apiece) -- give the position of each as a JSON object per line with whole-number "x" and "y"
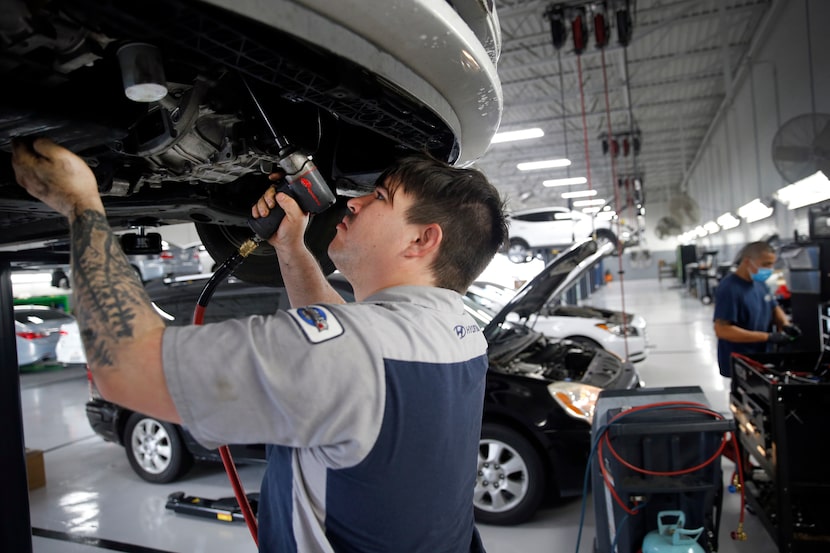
{"x": 745, "y": 309}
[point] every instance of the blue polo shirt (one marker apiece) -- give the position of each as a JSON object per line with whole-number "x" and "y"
{"x": 748, "y": 305}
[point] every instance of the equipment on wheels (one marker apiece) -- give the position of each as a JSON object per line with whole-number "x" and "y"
{"x": 657, "y": 450}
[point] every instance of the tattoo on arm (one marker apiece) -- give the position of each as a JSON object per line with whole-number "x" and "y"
{"x": 108, "y": 293}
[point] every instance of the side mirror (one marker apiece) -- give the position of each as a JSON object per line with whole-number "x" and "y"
{"x": 141, "y": 244}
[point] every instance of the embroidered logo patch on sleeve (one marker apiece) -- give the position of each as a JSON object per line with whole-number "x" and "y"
{"x": 317, "y": 323}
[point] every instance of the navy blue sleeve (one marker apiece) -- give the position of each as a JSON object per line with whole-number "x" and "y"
{"x": 726, "y": 302}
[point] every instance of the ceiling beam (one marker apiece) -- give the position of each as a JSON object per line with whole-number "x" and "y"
{"x": 520, "y": 44}
{"x": 614, "y": 111}
{"x": 669, "y": 56}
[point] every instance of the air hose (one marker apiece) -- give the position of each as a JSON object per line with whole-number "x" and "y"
{"x": 220, "y": 275}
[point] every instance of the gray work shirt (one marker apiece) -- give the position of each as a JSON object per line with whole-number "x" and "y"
{"x": 373, "y": 410}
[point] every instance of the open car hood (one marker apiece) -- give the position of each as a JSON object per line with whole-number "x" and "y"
{"x": 559, "y": 275}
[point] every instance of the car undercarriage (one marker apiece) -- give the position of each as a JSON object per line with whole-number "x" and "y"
{"x": 201, "y": 154}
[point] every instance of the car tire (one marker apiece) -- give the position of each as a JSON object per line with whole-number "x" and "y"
{"x": 155, "y": 449}
{"x": 518, "y": 251}
{"x": 510, "y": 480}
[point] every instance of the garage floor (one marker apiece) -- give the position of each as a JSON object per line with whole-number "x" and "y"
{"x": 92, "y": 501}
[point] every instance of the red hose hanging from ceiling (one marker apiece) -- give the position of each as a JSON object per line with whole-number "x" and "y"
{"x": 616, "y": 205}
{"x": 584, "y": 123}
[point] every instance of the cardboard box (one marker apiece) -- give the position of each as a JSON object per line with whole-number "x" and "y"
{"x": 35, "y": 470}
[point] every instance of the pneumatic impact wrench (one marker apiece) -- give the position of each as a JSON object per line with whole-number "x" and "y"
{"x": 303, "y": 182}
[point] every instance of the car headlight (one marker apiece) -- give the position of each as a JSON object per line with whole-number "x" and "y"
{"x": 578, "y": 400}
{"x": 619, "y": 330}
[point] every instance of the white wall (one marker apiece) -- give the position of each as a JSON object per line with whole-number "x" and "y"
{"x": 183, "y": 234}
{"x": 735, "y": 165}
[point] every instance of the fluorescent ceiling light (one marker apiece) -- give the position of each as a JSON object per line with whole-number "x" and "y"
{"x": 590, "y": 210}
{"x": 807, "y": 191}
{"x": 711, "y": 227}
{"x": 579, "y": 194}
{"x": 523, "y": 134}
{"x": 606, "y": 215}
{"x": 589, "y": 203}
{"x": 700, "y": 232}
{"x": 543, "y": 164}
{"x": 728, "y": 221}
{"x": 754, "y": 211}
{"x": 565, "y": 182}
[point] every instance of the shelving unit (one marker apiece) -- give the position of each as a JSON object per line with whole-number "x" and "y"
{"x": 781, "y": 403}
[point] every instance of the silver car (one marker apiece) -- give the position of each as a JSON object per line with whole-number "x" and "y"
{"x": 38, "y": 329}
{"x": 172, "y": 260}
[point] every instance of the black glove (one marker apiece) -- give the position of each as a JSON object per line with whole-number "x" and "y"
{"x": 793, "y": 331}
{"x": 779, "y": 338}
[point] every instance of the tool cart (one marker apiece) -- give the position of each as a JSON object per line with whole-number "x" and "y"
{"x": 781, "y": 404}
{"x": 656, "y": 451}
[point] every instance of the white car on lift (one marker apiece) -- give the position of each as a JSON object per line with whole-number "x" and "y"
{"x": 556, "y": 227}
{"x": 158, "y": 98}
{"x": 623, "y": 334}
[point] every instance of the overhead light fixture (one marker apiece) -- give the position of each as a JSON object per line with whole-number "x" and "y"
{"x": 543, "y": 164}
{"x": 711, "y": 227}
{"x": 728, "y": 221}
{"x": 807, "y": 191}
{"x": 606, "y": 215}
{"x": 565, "y": 182}
{"x": 754, "y": 211}
{"x": 579, "y": 194}
{"x": 512, "y": 136}
{"x": 590, "y": 209}
{"x": 589, "y": 203}
{"x": 699, "y": 231}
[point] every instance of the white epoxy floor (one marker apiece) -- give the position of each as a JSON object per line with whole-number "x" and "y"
{"x": 92, "y": 493}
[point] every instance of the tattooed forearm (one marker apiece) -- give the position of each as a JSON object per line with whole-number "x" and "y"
{"x": 110, "y": 299}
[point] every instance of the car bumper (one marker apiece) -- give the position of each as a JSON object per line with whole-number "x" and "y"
{"x": 421, "y": 46}
{"x": 103, "y": 418}
{"x": 568, "y": 452}
{"x": 633, "y": 346}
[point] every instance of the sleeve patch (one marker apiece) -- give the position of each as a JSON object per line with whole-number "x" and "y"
{"x": 317, "y": 323}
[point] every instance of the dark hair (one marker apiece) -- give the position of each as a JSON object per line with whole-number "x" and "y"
{"x": 462, "y": 201}
{"x": 754, "y": 250}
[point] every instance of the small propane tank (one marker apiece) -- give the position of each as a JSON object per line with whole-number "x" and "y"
{"x": 672, "y": 538}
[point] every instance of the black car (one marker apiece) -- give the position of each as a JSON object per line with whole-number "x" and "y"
{"x": 539, "y": 400}
{"x": 538, "y": 406}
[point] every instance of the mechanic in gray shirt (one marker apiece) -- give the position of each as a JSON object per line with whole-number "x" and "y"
{"x": 373, "y": 408}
